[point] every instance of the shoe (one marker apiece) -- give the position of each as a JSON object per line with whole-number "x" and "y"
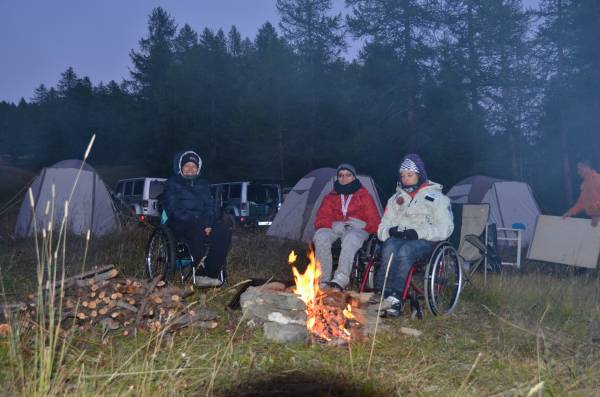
{"x": 203, "y": 281}
{"x": 395, "y": 309}
{"x": 375, "y": 298}
{"x": 385, "y": 304}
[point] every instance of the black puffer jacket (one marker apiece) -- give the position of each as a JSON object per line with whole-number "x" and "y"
{"x": 188, "y": 200}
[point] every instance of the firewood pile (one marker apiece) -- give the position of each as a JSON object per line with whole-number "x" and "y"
{"x": 101, "y": 298}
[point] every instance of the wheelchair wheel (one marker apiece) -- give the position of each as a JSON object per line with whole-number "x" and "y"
{"x": 161, "y": 253}
{"x": 362, "y": 278}
{"x": 443, "y": 280}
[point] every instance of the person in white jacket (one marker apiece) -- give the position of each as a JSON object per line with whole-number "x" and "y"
{"x": 415, "y": 218}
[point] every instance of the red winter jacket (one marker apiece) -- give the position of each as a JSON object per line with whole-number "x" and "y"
{"x": 362, "y": 206}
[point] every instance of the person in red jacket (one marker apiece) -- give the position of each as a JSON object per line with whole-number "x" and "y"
{"x": 589, "y": 199}
{"x": 348, "y": 213}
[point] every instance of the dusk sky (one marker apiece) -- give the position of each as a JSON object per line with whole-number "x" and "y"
{"x": 40, "y": 39}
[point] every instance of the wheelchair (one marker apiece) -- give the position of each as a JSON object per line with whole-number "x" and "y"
{"x": 167, "y": 256}
{"x": 442, "y": 276}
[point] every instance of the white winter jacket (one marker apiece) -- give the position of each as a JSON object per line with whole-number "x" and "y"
{"x": 429, "y": 213}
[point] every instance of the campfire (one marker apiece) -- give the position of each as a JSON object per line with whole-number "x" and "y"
{"x": 329, "y": 313}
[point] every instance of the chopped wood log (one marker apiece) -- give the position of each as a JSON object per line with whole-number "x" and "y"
{"x": 81, "y": 316}
{"x": 103, "y": 311}
{"x": 157, "y": 300}
{"x": 110, "y": 323}
{"x": 127, "y": 306}
{"x": 70, "y": 281}
{"x": 152, "y": 285}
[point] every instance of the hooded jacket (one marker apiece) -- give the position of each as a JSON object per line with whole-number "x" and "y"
{"x": 429, "y": 213}
{"x": 188, "y": 200}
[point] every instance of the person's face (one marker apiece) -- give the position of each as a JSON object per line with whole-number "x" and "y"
{"x": 189, "y": 169}
{"x": 345, "y": 177}
{"x": 409, "y": 178}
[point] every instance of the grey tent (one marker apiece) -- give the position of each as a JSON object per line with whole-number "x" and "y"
{"x": 295, "y": 219}
{"x": 91, "y": 206}
{"x": 512, "y": 203}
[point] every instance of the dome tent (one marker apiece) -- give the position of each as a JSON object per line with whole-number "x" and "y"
{"x": 91, "y": 207}
{"x": 512, "y": 203}
{"x": 295, "y": 219}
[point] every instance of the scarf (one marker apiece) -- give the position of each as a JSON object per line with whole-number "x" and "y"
{"x": 350, "y": 188}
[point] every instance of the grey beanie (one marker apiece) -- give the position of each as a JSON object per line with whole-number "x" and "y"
{"x": 346, "y": 166}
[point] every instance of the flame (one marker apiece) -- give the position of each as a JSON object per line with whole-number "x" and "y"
{"x": 292, "y": 257}
{"x": 326, "y": 322}
{"x": 307, "y": 284}
{"x": 348, "y": 312}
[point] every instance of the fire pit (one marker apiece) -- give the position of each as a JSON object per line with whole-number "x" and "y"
{"x": 305, "y": 312}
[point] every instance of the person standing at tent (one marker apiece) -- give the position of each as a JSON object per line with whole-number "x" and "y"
{"x": 192, "y": 216}
{"x": 348, "y": 213}
{"x": 589, "y": 198}
{"x": 416, "y": 217}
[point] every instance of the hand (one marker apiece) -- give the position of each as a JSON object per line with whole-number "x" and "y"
{"x": 207, "y": 230}
{"x": 395, "y": 232}
{"x": 338, "y": 228}
{"x": 408, "y": 234}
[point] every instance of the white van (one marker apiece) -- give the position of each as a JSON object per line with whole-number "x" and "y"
{"x": 141, "y": 195}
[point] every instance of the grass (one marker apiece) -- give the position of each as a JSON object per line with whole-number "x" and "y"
{"x": 504, "y": 339}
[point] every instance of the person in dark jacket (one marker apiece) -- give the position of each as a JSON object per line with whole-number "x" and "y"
{"x": 193, "y": 217}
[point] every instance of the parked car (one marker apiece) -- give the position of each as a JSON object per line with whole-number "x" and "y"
{"x": 141, "y": 196}
{"x": 252, "y": 203}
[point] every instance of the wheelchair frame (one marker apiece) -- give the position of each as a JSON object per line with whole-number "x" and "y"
{"x": 443, "y": 274}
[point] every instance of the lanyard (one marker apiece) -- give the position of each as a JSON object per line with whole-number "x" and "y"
{"x": 345, "y": 204}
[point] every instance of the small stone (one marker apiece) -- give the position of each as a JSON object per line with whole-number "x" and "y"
{"x": 410, "y": 331}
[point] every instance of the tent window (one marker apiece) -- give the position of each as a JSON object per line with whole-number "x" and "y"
{"x": 138, "y": 188}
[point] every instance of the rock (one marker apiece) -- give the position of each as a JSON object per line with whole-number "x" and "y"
{"x": 288, "y": 317}
{"x": 410, "y": 331}
{"x": 285, "y": 333}
{"x": 267, "y": 313}
{"x": 281, "y": 300}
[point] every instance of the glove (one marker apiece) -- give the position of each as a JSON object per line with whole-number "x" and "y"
{"x": 394, "y": 232}
{"x": 409, "y": 234}
{"x": 338, "y": 227}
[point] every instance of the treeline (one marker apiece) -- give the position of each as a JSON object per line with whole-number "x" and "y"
{"x": 474, "y": 86}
